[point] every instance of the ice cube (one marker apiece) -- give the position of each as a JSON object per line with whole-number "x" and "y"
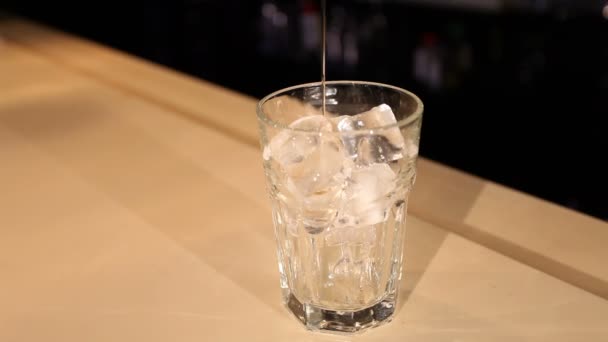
{"x": 377, "y": 149}
{"x": 289, "y": 147}
{"x": 368, "y": 194}
{"x": 378, "y": 116}
{"x": 313, "y": 160}
{"x": 345, "y": 123}
{"x": 314, "y": 169}
{"x": 382, "y": 146}
{"x": 320, "y": 179}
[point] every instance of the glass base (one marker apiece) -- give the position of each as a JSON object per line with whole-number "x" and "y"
{"x": 323, "y": 320}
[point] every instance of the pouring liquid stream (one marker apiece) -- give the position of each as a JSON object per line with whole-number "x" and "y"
{"x": 324, "y": 53}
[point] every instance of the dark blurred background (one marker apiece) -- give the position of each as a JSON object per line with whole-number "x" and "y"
{"x": 515, "y": 91}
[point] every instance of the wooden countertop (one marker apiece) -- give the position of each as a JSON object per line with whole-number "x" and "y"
{"x": 133, "y": 207}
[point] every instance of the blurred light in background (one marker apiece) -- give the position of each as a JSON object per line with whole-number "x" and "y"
{"x": 514, "y": 90}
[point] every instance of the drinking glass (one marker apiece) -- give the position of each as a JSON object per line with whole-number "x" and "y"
{"x": 339, "y": 171}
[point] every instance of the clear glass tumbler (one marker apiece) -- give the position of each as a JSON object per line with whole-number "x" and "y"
{"x": 339, "y": 180}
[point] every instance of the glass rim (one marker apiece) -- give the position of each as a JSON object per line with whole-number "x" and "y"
{"x": 400, "y": 123}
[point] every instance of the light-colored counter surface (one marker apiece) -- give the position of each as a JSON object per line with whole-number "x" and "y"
{"x": 133, "y": 208}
